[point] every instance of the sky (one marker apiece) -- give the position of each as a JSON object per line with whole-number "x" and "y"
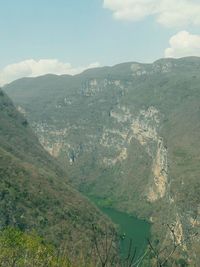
{"x": 69, "y": 36}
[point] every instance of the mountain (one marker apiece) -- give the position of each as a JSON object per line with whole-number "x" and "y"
{"x": 127, "y": 134}
{"x": 35, "y": 192}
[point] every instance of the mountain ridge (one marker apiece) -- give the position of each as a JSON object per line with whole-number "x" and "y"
{"x": 107, "y": 67}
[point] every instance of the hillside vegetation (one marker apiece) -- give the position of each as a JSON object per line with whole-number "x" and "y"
{"x": 35, "y": 193}
{"x": 127, "y": 134}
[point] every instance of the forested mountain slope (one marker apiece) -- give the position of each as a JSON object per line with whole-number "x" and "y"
{"x": 35, "y": 192}
{"x": 128, "y": 134}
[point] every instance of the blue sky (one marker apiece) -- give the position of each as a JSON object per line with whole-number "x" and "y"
{"x": 81, "y": 32}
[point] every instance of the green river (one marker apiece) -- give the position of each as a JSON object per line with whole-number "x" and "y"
{"x": 130, "y": 228}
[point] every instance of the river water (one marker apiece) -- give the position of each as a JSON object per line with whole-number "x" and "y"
{"x": 130, "y": 228}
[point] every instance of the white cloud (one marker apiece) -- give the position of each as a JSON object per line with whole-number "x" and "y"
{"x": 183, "y": 44}
{"x": 33, "y": 68}
{"x": 169, "y": 13}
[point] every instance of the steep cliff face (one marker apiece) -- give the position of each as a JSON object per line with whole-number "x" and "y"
{"x": 127, "y": 133}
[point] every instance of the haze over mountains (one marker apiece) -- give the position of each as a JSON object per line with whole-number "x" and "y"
{"x": 127, "y": 134}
